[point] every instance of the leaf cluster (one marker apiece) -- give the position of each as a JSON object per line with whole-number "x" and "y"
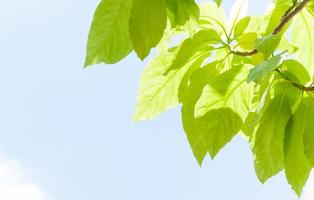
{"x": 246, "y": 75}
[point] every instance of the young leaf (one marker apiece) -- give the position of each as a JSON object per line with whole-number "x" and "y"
{"x": 250, "y": 24}
{"x": 240, "y": 26}
{"x": 247, "y": 40}
{"x": 257, "y": 74}
{"x": 147, "y": 23}
{"x": 109, "y": 39}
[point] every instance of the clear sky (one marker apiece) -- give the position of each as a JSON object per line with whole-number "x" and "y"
{"x": 67, "y": 133}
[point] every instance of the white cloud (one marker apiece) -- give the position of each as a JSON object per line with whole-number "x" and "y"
{"x": 14, "y": 184}
{"x": 309, "y": 189}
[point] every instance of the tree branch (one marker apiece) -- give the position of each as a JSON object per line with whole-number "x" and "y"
{"x": 289, "y": 16}
{"x": 292, "y": 11}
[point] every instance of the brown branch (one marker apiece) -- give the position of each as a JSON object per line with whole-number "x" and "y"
{"x": 291, "y": 12}
{"x": 248, "y": 53}
{"x": 289, "y": 16}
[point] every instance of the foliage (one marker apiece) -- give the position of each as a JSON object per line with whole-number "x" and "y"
{"x": 248, "y": 75}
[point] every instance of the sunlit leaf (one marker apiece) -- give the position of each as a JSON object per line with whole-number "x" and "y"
{"x": 148, "y": 21}
{"x": 109, "y": 39}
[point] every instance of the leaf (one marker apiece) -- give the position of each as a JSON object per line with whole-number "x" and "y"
{"x": 295, "y": 71}
{"x": 268, "y": 44}
{"x": 268, "y": 139}
{"x": 189, "y": 96}
{"x": 297, "y": 167}
{"x": 183, "y": 10}
{"x": 158, "y": 92}
{"x": 238, "y": 11}
{"x": 241, "y": 25}
{"x": 108, "y": 39}
{"x": 250, "y": 24}
{"x": 308, "y": 137}
{"x": 310, "y": 7}
{"x": 287, "y": 46}
{"x": 302, "y": 37}
{"x": 224, "y": 124}
{"x": 199, "y": 44}
{"x": 258, "y": 73}
{"x": 283, "y": 2}
{"x": 148, "y": 21}
{"x": 247, "y": 40}
{"x": 212, "y": 17}
{"x": 228, "y": 90}
{"x": 278, "y": 12}
{"x": 218, "y": 2}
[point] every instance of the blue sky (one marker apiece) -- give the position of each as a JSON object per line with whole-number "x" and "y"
{"x": 67, "y": 133}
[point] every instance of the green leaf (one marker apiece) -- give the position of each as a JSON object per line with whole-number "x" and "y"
{"x": 229, "y": 90}
{"x": 268, "y": 139}
{"x": 278, "y": 12}
{"x": 238, "y": 11}
{"x": 183, "y": 10}
{"x": 212, "y": 17}
{"x": 247, "y": 40}
{"x": 297, "y": 167}
{"x": 295, "y": 71}
{"x": 189, "y": 96}
{"x": 240, "y": 26}
{"x": 287, "y": 46}
{"x": 218, "y": 2}
{"x": 224, "y": 125}
{"x": 250, "y": 24}
{"x": 158, "y": 92}
{"x": 192, "y": 48}
{"x": 308, "y": 137}
{"x": 310, "y": 7}
{"x": 283, "y": 2}
{"x": 267, "y": 45}
{"x": 302, "y": 37}
{"x": 258, "y": 73}
{"x": 108, "y": 39}
{"x": 147, "y": 24}
{"x": 203, "y": 136}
